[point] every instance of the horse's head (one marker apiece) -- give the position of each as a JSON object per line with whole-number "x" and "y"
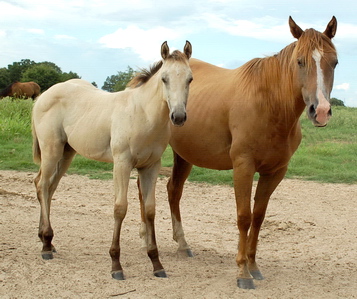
{"x": 176, "y": 77}
{"x": 314, "y": 59}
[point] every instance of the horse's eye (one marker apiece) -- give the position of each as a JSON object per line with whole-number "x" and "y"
{"x": 190, "y": 80}
{"x": 164, "y": 80}
{"x": 301, "y": 62}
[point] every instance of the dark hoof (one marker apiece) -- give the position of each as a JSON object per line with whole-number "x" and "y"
{"x": 47, "y": 255}
{"x": 118, "y": 275}
{"x": 257, "y": 275}
{"x": 189, "y": 252}
{"x": 160, "y": 273}
{"x": 246, "y": 283}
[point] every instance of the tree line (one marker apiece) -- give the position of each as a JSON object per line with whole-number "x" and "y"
{"x": 44, "y": 73}
{"x": 47, "y": 74}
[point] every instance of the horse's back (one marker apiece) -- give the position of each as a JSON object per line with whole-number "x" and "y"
{"x": 69, "y": 91}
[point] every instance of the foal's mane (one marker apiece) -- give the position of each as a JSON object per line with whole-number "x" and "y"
{"x": 273, "y": 75}
{"x": 144, "y": 75}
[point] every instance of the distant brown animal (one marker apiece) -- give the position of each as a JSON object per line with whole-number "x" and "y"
{"x": 21, "y": 90}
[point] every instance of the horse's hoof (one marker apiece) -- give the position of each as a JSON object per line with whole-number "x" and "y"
{"x": 47, "y": 255}
{"x": 189, "y": 252}
{"x": 118, "y": 275}
{"x": 246, "y": 283}
{"x": 257, "y": 274}
{"x": 160, "y": 273}
{"x": 185, "y": 252}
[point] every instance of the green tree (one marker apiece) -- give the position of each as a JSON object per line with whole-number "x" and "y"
{"x": 4, "y": 77}
{"x": 43, "y": 74}
{"x": 68, "y": 76}
{"x": 118, "y": 82}
{"x": 336, "y": 102}
{"x": 17, "y": 69}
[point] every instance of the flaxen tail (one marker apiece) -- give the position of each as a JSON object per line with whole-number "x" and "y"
{"x": 36, "y": 151}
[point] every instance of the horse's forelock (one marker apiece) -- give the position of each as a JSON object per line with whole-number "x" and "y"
{"x": 177, "y": 56}
{"x": 307, "y": 43}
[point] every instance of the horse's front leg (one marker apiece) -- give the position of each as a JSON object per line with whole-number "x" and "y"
{"x": 266, "y": 186}
{"x": 243, "y": 172}
{"x": 148, "y": 177}
{"x": 121, "y": 175}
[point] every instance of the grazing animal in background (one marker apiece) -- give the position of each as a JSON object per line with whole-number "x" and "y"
{"x": 247, "y": 119}
{"x": 130, "y": 128}
{"x": 21, "y": 90}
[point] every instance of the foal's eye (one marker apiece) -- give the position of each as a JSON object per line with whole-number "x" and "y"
{"x": 190, "y": 80}
{"x": 164, "y": 80}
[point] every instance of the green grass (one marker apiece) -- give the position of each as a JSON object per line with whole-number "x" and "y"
{"x": 326, "y": 154}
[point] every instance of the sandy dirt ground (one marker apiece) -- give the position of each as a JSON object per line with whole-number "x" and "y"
{"x": 308, "y": 243}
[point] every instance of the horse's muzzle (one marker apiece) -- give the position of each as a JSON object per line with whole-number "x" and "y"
{"x": 178, "y": 119}
{"x": 319, "y": 117}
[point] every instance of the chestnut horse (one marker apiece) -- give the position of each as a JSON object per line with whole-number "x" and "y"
{"x": 21, "y": 90}
{"x": 129, "y": 128}
{"x": 248, "y": 119}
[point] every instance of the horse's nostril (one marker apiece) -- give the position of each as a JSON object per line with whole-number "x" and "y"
{"x": 312, "y": 111}
{"x": 329, "y": 113}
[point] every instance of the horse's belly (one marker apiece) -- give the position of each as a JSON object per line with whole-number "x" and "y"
{"x": 210, "y": 152}
{"x": 95, "y": 149}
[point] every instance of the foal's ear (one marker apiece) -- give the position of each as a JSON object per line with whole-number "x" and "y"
{"x": 331, "y": 28}
{"x": 295, "y": 30}
{"x": 188, "y": 49}
{"x": 165, "y": 51}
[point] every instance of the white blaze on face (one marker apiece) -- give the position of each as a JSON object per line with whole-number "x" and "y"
{"x": 323, "y": 107}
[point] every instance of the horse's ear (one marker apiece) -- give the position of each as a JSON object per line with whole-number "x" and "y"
{"x": 331, "y": 28}
{"x": 165, "y": 51}
{"x": 188, "y": 49}
{"x": 295, "y": 30}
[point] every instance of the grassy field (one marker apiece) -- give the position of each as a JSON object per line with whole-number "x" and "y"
{"x": 326, "y": 154}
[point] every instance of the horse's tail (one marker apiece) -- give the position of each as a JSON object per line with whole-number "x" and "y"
{"x": 36, "y": 151}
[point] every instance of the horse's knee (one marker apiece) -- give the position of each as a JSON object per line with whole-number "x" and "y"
{"x": 120, "y": 210}
{"x": 244, "y": 222}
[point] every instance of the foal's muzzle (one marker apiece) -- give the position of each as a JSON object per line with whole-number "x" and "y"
{"x": 178, "y": 118}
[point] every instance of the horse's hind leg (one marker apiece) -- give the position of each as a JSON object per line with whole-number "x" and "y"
{"x": 53, "y": 166}
{"x": 180, "y": 172}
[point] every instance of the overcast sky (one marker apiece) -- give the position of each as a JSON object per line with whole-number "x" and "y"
{"x": 96, "y": 39}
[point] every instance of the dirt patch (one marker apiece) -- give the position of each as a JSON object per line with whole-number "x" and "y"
{"x": 307, "y": 245}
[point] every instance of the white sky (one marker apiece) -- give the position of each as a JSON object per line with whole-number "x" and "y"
{"x": 96, "y": 39}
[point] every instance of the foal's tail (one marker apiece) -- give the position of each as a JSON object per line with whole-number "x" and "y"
{"x": 36, "y": 151}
